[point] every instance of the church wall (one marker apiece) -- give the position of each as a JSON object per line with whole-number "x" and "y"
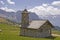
{"x": 35, "y": 33}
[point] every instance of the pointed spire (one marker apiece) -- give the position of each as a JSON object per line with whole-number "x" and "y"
{"x": 25, "y": 11}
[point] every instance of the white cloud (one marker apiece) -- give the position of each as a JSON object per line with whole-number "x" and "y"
{"x": 7, "y": 9}
{"x": 45, "y": 4}
{"x": 56, "y": 3}
{"x": 10, "y": 2}
{"x": 45, "y": 10}
{"x": 2, "y": 2}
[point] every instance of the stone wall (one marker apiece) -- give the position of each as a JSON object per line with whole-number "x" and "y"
{"x": 34, "y": 33}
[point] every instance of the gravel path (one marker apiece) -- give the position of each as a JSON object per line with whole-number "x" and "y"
{"x": 56, "y": 35}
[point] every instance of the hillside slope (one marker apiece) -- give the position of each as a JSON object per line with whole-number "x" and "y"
{"x": 6, "y": 21}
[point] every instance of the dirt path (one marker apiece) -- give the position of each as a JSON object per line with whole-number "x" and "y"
{"x": 56, "y": 35}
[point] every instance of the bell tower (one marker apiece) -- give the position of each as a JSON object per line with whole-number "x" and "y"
{"x": 25, "y": 19}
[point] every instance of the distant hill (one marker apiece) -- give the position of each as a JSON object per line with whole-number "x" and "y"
{"x": 6, "y": 21}
{"x": 57, "y": 28}
{"x": 3, "y": 20}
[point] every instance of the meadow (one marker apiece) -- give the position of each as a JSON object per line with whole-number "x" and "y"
{"x": 11, "y": 32}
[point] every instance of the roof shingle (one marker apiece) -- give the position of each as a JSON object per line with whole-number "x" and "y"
{"x": 36, "y": 24}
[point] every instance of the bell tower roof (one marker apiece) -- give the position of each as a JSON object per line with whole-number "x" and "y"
{"x": 25, "y": 11}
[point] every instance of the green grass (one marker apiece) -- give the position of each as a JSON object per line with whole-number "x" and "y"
{"x": 56, "y": 32}
{"x": 10, "y": 32}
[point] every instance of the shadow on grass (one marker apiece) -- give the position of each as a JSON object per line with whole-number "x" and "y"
{"x": 51, "y": 37}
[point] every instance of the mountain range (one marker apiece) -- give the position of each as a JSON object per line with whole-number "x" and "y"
{"x": 16, "y": 17}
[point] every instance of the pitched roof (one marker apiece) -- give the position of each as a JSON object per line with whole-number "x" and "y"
{"x": 36, "y": 24}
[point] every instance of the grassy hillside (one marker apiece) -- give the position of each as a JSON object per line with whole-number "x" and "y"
{"x": 10, "y": 32}
{"x": 6, "y": 21}
{"x": 3, "y": 20}
{"x": 56, "y": 31}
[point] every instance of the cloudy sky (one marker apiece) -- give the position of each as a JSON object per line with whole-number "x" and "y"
{"x": 37, "y": 6}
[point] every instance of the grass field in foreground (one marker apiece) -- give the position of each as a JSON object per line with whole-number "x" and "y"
{"x": 10, "y": 32}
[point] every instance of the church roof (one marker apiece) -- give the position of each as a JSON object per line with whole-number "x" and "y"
{"x": 36, "y": 24}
